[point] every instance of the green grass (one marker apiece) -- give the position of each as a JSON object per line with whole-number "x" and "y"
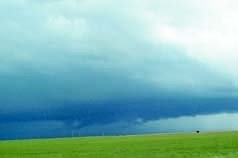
{"x": 204, "y": 145}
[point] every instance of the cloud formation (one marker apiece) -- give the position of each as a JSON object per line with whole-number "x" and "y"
{"x": 104, "y": 62}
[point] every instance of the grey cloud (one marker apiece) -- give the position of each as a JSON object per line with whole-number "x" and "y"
{"x": 98, "y": 57}
{"x": 45, "y": 56}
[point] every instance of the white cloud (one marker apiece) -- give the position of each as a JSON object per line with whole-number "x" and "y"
{"x": 211, "y": 37}
{"x": 68, "y": 27}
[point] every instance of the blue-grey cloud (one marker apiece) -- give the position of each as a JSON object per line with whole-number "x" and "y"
{"x": 85, "y": 63}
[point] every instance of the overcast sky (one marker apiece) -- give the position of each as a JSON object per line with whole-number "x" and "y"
{"x": 70, "y": 65}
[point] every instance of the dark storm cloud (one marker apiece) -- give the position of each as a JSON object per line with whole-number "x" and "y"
{"x": 76, "y": 64}
{"x": 108, "y": 112}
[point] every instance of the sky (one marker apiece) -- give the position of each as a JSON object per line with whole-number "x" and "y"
{"x": 88, "y": 67}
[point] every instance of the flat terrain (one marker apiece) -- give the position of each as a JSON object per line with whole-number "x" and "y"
{"x": 204, "y": 145}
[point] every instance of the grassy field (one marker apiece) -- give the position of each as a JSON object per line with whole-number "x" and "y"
{"x": 204, "y": 145}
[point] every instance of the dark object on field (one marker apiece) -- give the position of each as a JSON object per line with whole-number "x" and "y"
{"x": 197, "y": 131}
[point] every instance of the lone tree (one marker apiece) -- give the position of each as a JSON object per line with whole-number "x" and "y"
{"x": 197, "y": 131}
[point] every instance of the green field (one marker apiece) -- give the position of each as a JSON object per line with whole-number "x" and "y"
{"x": 204, "y": 145}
